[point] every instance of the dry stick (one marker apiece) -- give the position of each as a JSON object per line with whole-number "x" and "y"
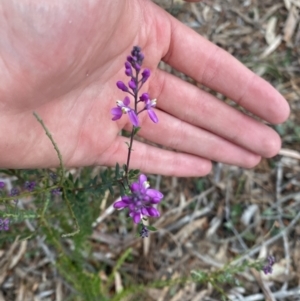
{"x": 295, "y": 292}
{"x": 263, "y": 285}
{"x": 269, "y": 241}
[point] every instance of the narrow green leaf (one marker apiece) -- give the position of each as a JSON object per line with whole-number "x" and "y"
{"x": 136, "y": 130}
{"x": 151, "y": 228}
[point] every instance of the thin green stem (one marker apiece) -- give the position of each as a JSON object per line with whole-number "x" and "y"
{"x": 136, "y": 93}
{"x": 29, "y": 193}
{"x": 72, "y": 215}
{"x": 62, "y": 174}
{"x": 129, "y": 154}
{"x": 61, "y": 166}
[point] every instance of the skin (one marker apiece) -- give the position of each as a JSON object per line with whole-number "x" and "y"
{"x": 62, "y": 60}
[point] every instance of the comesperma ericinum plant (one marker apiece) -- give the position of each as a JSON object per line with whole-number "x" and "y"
{"x": 140, "y": 198}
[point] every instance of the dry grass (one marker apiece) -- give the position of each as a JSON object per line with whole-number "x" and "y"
{"x": 206, "y": 222}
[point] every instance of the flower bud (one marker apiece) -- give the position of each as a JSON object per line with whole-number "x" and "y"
{"x": 122, "y": 86}
{"x": 145, "y": 75}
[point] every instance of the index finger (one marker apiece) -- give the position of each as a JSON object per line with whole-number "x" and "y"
{"x": 215, "y": 68}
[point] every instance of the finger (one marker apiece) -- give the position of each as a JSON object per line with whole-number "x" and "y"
{"x": 181, "y": 136}
{"x": 192, "y": 105}
{"x": 212, "y": 66}
{"x": 154, "y": 160}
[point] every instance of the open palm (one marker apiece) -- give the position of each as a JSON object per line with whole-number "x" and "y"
{"x": 63, "y": 60}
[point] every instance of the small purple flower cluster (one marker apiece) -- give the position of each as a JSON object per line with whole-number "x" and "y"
{"x": 29, "y": 185}
{"x": 56, "y": 191}
{"x": 14, "y": 192}
{"x": 134, "y": 63}
{"x": 267, "y": 269}
{"x": 4, "y": 224}
{"x": 144, "y": 232}
{"x": 140, "y": 202}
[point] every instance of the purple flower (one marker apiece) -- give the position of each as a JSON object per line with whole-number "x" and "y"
{"x": 140, "y": 202}
{"x": 135, "y": 59}
{"x": 122, "y": 86}
{"x": 144, "y": 97}
{"x": 132, "y": 85}
{"x": 55, "y": 191}
{"x": 2, "y": 184}
{"x": 137, "y": 67}
{"x": 267, "y": 269}
{"x": 53, "y": 176}
{"x": 29, "y": 185}
{"x": 145, "y": 75}
{"x": 4, "y": 224}
{"x": 14, "y": 192}
{"x": 128, "y": 69}
{"x": 137, "y": 55}
{"x": 130, "y": 59}
{"x": 144, "y": 232}
{"x": 149, "y": 104}
{"x": 123, "y": 108}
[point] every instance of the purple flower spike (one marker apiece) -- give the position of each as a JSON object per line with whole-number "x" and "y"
{"x": 122, "y": 86}
{"x": 140, "y": 202}
{"x": 268, "y": 268}
{"x": 145, "y": 75}
{"x": 2, "y": 184}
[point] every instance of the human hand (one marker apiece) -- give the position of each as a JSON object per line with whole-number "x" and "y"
{"x": 63, "y": 60}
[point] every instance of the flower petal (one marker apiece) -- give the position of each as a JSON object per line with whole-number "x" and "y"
{"x": 133, "y": 118}
{"x": 145, "y": 75}
{"x": 136, "y": 216}
{"x": 120, "y": 205}
{"x": 126, "y": 101}
{"x": 117, "y": 112}
{"x": 144, "y": 97}
{"x": 135, "y": 187}
{"x": 153, "y": 212}
{"x": 144, "y": 211}
{"x": 132, "y": 84}
{"x": 142, "y": 179}
{"x": 152, "y": 115}
{"x": 122, "y": 86}
{"x": 155, "y": 194}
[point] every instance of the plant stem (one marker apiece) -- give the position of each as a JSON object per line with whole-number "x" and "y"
{"x": 129, "y": 154}
{"x": 136, "y": 92}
